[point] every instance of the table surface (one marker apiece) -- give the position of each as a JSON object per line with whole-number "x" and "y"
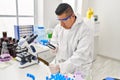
{"x": 11, "y": 71}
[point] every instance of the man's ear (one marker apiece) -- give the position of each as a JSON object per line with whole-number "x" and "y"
{"x": 73, "y": 15}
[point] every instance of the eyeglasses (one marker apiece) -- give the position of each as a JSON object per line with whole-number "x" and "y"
{"x": 65, "y": 19}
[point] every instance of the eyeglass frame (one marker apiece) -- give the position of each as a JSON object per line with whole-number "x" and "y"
{"x": 65, "y": 19}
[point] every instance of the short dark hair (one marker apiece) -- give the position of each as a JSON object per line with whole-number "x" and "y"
{"x": 64, "y": 8}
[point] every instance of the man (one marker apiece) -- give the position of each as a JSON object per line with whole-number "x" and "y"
{"x": 74, "y": 43}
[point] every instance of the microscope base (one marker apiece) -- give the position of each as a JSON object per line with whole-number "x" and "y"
{"x": 28, "y": 64}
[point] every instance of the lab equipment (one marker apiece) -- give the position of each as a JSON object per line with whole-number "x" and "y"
{"x": 5, "y": 56}
{"x": 31, "y": 76}
{"x": 78, "y": 76}
{"x": 51, "y": 46}
{"x": 110, "y": 78}
{"x": 44, "y": 42}
{"x": 8, "y": 46}
{"x": 58, "y": 76}
{"x": 21, "y": 30}
{"x": 40, "y": 31}
{"x": 26, "y": 52}
{"x": 26, "y": 40}
{"x": 49, "y": 33}
{"x": 95, "y": 18}
{"x": 90, "y": 13}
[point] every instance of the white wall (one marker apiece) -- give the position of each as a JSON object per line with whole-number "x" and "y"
{"x": 84, "y": 7}
{"x": 78, "y": 6}
{"x": 71, "y": 2}
{"x": 39, "y": 7}
{"x": 108, "y": 12}
{"x": 45, "y": 12}
{"x": 49, "y": 12}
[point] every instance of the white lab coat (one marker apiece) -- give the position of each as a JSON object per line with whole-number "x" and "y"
{"x": 74, "y": 47}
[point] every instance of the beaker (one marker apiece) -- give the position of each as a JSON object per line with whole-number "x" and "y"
{"x": 49, "y": 33}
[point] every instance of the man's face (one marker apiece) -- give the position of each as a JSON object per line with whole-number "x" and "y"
{"x": 65, "y": 21}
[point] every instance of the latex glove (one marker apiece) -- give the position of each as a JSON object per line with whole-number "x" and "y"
{"x": 54, "y": 68}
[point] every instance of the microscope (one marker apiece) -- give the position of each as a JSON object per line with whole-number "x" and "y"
{"x": 26, "y": 52}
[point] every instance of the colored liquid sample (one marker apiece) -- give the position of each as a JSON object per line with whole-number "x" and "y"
{"x": 49, "y": 35}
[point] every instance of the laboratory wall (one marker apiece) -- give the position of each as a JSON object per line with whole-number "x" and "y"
{"x": 50, "y": 18}
{"x": 108, "y": 12}
{"x": 45, "y": 12}
{"x": 39, "y": 14}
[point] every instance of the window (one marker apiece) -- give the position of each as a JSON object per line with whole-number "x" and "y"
{"x": 15, "y": 12}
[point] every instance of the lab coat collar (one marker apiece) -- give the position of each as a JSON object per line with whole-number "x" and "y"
{"x": 79, "y": 20}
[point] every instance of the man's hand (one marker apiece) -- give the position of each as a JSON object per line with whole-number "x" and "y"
{"x": 54, "y": 68}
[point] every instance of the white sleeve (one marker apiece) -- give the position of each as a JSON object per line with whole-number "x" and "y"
{"x": 54, "y": 40}
{"x": 81, "y": 55}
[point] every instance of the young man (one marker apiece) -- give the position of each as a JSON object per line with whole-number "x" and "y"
{"x": 74, "y": 42}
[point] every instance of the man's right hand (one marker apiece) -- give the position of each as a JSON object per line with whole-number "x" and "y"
{"x": 54, "y": 68}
